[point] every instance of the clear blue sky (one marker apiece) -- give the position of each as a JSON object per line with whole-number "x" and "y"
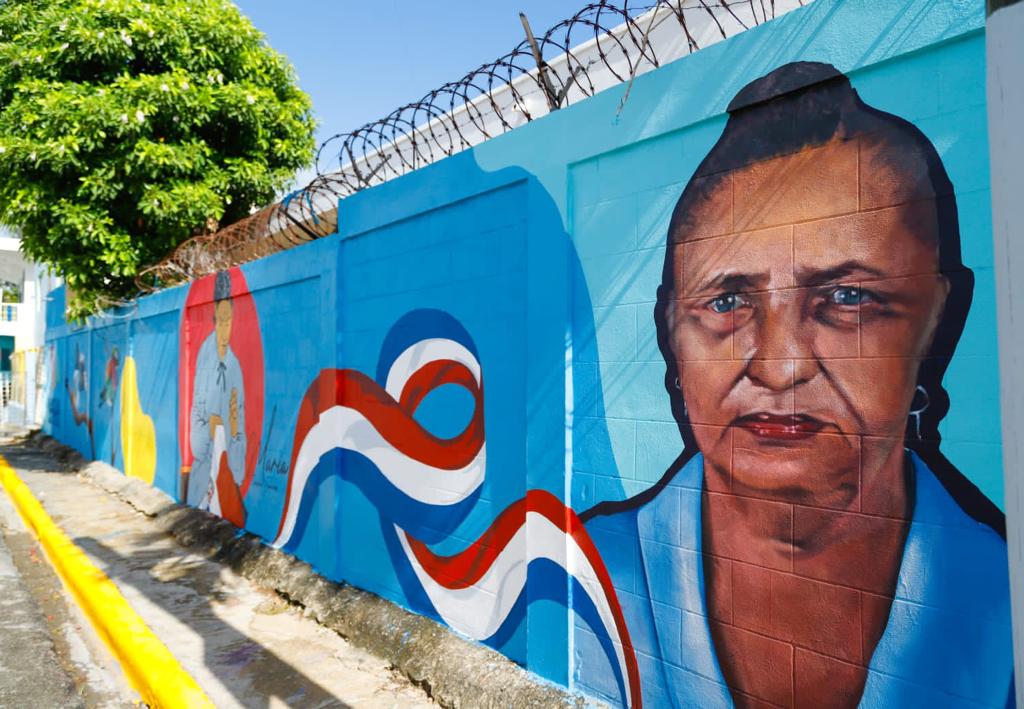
{"x": 360, "y": 60}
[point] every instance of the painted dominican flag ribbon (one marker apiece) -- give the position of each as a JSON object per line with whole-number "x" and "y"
{"x": 477, "y": 591}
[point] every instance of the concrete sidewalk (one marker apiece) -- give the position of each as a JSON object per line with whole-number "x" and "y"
{"x": 245, "y": 646}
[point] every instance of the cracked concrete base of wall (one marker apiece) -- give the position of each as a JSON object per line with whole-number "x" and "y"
{"x": 454, "y": 671}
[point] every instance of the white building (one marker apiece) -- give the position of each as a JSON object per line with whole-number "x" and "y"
{"x": 25, "y": 286}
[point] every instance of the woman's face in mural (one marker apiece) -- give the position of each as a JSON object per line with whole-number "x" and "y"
{"x": 222, "y": 325}
{"x": 807, "y": 293}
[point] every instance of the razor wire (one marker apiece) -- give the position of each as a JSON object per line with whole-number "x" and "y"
{"x": 603, "y": 45}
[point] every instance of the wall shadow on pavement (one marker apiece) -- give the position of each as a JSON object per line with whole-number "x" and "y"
{"x": 187, "y": 586}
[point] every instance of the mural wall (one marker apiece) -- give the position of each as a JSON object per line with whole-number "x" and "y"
{"x": 687, "y": 400}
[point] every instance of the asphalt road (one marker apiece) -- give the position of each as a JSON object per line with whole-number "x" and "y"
{"x": 49, "y": 656}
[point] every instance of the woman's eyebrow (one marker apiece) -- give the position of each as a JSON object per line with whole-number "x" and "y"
{"x": 735, "y": 282}
{"x": 840, "y": 272}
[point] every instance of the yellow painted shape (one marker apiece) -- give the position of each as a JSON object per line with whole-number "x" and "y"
{"x": 148, "y": 664}
{"x": 138, "y": 435}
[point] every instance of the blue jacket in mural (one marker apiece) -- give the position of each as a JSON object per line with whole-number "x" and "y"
{"x": 947, "y": 641}
{"x": 215, "y": 381}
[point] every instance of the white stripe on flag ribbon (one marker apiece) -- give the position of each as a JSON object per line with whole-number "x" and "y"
{"x": 478, "y": 611}
{"x": 345, "y": 428}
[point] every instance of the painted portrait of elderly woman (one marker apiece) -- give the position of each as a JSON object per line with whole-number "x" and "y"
{"x": 812, "y": 546}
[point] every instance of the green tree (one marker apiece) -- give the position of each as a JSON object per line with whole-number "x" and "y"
{"x": 126, "y": 127}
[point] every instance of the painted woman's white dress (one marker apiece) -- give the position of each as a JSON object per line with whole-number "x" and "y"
{"x": 215, "y": 380}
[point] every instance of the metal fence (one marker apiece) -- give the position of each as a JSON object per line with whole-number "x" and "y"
{"x": 602, "y": 45}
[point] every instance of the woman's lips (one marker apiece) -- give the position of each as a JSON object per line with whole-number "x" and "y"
{"x": 780, "y": 427}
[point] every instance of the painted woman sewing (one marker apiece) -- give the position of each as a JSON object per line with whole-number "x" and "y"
{"x": 812, "y": 546}
{"x": 217, "y": 417}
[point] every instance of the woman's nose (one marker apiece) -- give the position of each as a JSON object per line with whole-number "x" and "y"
{"x": 780, "y": 355}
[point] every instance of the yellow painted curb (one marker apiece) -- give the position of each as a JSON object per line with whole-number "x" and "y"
{"x": 149, "y": 665}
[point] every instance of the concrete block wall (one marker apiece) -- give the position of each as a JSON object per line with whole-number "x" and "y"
{"x": 708, "y": 483}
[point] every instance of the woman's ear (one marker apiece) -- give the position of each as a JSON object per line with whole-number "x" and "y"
{"x": 670, "y": 317}
{"x": 944, "y": 287}
{"x": 664, "y": 317}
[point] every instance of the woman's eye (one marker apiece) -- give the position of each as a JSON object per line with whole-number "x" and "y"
{"x": 725, "y": 303}
{"x": 848, "y": 295}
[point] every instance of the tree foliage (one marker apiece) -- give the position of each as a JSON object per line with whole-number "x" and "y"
{"x": 126, "y": 127}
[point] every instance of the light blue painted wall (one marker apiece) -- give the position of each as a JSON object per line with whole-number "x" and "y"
{"x": 546, "y": 245}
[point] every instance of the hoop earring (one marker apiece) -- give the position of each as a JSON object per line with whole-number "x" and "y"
{"x": 916, "y": 413}
{"x": 677, "y": 384}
